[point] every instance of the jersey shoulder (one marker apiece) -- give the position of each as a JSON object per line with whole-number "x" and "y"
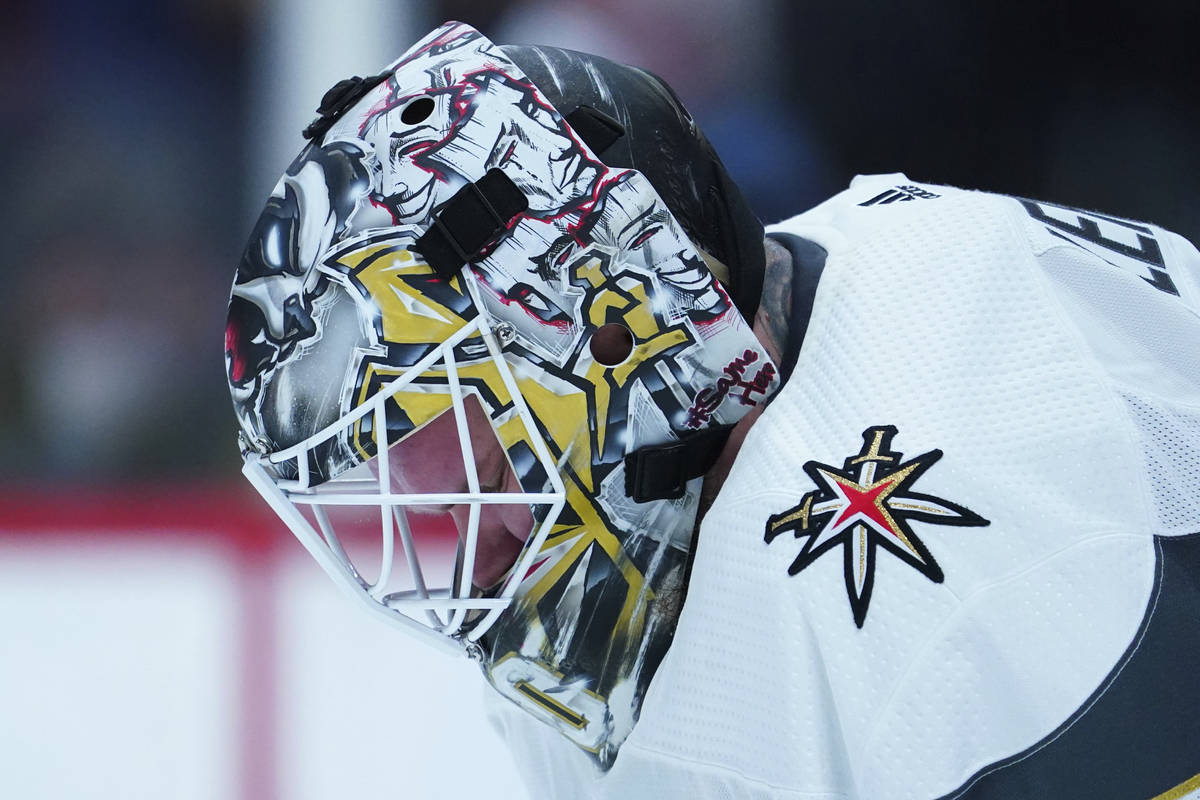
{"x": 1121, "y": 296}
{"x": 873, "y": 202}
{"x": 885, "y": 204}
{"x": 1129, "y": 289}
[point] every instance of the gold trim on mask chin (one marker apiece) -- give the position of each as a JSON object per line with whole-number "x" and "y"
{"x": 718, "y": 269}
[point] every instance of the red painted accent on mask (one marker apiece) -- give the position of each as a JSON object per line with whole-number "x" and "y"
{"x": 238, "y": 368}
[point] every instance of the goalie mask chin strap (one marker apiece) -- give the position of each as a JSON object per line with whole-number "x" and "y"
{"x": 662, "y": 471}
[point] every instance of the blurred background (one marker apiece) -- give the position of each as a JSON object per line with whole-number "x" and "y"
{"x": 163, "y": 636}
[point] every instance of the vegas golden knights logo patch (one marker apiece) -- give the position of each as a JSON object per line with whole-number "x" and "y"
{"x": 866, "y": 505}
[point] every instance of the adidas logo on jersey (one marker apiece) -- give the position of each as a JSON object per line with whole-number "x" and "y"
{"x": 903, "y": 193}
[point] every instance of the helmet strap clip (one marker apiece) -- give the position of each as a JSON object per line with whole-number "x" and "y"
{"x": 470, "y": 221}
{"x": 337, "y": 100}
{"x": 597, "y": 129}
{"x": 662, "y": 471}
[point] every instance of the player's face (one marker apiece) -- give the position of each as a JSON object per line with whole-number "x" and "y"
{"x": 431, "y": 461}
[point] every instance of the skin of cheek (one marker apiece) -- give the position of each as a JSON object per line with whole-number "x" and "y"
{"x": 503, "y": 528}
{"x": 431, "y": 461}
{"x": 496, "y": 549}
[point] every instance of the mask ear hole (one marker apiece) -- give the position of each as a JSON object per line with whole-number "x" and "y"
{"x": 417, "y": 111}
{"x": 611, "y": 344}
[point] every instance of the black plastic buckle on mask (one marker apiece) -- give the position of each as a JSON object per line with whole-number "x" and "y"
{"x": 598, "y": 130}
{"x": 337, "y": 101}
{"x": 470, "y": 221}
{"x": 661, "y": 471}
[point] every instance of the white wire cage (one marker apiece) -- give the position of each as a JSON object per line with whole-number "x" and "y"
{"x": 451, "y": 615}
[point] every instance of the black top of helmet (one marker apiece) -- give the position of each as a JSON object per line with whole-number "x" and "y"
{"x": 663, "y": 142}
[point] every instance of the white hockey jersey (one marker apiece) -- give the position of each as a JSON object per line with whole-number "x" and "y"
{"x": 959, "y": 554}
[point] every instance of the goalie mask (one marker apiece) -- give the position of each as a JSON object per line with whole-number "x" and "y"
{"x": 452, "y": 309}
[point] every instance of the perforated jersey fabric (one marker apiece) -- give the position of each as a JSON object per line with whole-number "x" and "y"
{"x": 1052, "y": 356}
{"x": 1170, "y": 436}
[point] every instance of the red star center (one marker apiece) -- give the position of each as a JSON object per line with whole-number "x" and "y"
{"x": 868, "y": 501}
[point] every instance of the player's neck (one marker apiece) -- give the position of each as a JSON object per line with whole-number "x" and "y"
{"x": 775, "y": 307}
{"x": 771, "y": 328}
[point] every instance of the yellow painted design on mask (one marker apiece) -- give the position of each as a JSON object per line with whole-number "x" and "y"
{"x": 424, "y": 401}
{"x": 564, "y": 418}
{"x": 593, "y": 531}
{"x": 421, "y": 406}
{"x": 606, "y": 379}
{"x": 622, "y": 299}
{"x": 406, "y": 314}
{"x": 572, "y": 418}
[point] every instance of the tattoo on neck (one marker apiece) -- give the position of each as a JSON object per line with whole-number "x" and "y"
{"x": 775, "y": 308}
